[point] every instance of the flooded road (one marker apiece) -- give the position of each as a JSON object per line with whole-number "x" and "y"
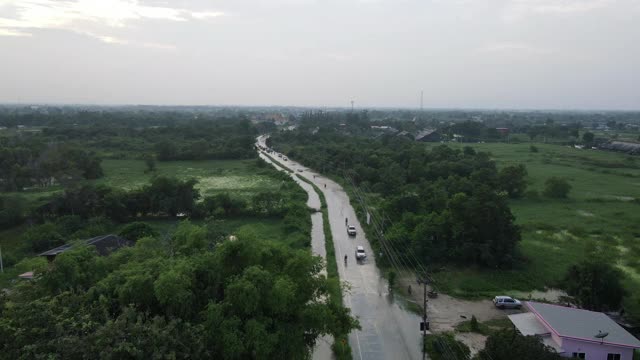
{"x": 389, "y": 331}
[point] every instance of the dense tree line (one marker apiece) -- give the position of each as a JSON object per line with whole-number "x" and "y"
{"x": 446, "y": 205}
{"x": 191, "y": 296}
{"x": 163, "y": 196}
{"x": 32, "y": 163}
{"x": 167, "y": 135}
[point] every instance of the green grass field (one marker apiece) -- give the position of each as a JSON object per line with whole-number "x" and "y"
{"x": 241, "y": 177}
{"x": 602, "y": 212}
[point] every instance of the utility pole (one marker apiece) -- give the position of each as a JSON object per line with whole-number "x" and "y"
{"x": 1, "y": 265}
{"x": 425, "y": 324}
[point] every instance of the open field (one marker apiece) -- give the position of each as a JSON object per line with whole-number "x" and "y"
{"x": 602, "y": 213}
{"x": 241, "y": 177}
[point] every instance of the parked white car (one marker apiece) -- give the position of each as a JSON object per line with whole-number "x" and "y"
{"x": 506, "y": 302}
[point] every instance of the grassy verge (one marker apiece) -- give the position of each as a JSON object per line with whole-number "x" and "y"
{"x": 286, "y": 168}
{"x": 484, "y": 328}
{"x": 340, "y": 347}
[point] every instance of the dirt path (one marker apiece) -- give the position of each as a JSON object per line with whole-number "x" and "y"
{"x": 445, "y": 312}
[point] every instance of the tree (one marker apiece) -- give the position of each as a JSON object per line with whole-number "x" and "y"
{"x": 150, "y": 162}
{"x": 512, "y": 179}
{"x": 557, "y": 188}
{"x": 482, "y": 229}
{"x": 596, "y": 285}
{"x": 508, "y": 345}
{"x": 43, "y": 237}
{"x": 179, "y": 300}
{"x": 12, "y": 210}
{"x": 587, "y": 138}
{"x": 166, "y": 150}
{"x": 268, "y": 203}
{"x": 137, "y": 230}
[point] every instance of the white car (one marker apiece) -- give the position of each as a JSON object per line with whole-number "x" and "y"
{"x": 351, "y": 230}
{"x": 360, "y": 254}
{"x": 506, "y": 302}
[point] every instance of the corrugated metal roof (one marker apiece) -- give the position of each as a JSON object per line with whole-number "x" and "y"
{"x": 582, "y": 324}
{"x": 528, "y": 324}
{"x": 104, "y": 244}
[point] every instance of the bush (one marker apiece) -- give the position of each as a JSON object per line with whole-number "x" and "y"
{"x": 445, "y": 346}
{"x": 474, "y": 323}
{"x": 43, "y": 237}
{"x": 532, "y": 194}
{"x": 137, "y": 230}
{"x": 533, "y": 149}
{"x": 557, "y": 188}
{"x": 12, "y": 211}
{"x": 341, "y": 348}
{"x": 596, "y": 285}
{"x": 507, "y": 345}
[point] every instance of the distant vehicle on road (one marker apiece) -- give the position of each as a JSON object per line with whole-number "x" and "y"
{"x": 360, "y": 254}
{"x": 351, "y": 230}
{"x": 506, "y": 302}
{"x": 279, "y": 155}
{"x": 300, "y": 170}
{"x": 285, "y": 158}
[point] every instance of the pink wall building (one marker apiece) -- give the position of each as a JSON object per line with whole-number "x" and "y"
{"x": 576, "y": 333}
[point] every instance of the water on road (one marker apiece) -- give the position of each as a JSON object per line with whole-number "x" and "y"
{"x": 389, "y": 331}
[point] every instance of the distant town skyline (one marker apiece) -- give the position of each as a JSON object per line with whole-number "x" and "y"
{"x": 464, "y": 54}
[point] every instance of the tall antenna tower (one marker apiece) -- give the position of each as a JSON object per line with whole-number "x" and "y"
{"x": 351, "y": 105}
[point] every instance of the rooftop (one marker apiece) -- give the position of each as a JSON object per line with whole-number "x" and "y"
{"x": 582, "y": 324}
{"x": 104, "y": 245}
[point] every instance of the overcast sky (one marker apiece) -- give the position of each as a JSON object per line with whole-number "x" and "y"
{"x": 553, "y": 54}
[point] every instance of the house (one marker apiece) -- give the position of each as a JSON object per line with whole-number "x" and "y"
{"x": 575, "y": 332}
{"x": 428, "y": 135}
{"x": 383, "y": 128}
{"x": 630, "y": 148}
{"x": 26, "y": 276}
{"x": 104, "y": 244}
{"x": 503, "y": 131}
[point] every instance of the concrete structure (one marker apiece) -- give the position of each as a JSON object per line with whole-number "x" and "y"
{"x": 576, "y": 333}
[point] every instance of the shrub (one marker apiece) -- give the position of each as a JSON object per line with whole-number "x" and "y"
{"x": 557, "y": 188}
{"x": 445, "y": 346}
{"x": 43, "y": 237}
{"x": 474, "y": 323}
{"x": 137, "y": 230}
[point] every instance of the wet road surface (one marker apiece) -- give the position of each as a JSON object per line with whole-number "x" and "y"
{"x": 388, "y": 330}
{"x": 322, "y": 350}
